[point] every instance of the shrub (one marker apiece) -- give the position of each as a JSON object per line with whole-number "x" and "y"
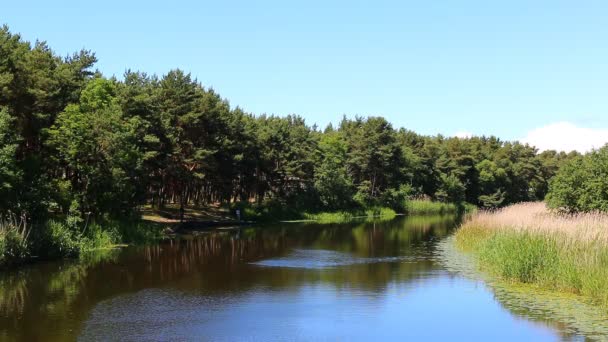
{"x": 58, "y": 240}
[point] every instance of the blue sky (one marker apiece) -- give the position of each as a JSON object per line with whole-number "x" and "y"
{"x": 480, "y": 67}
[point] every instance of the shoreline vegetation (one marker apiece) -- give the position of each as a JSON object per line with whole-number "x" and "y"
{"x": 528, "y": 243}
{"x": 81, "y": 154}
{"x": 61, "y": 241}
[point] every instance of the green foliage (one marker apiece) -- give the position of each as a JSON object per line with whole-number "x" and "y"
{"x": 97, "y": 149}
{"x": 99, "y": 237}
{"x": 35, "y": 85}
{"x": 332, "y": 182}
{"x": 131, "y": 231}
{"x": 10, "y": 174}
{"x": 58, "y": 240}
{"x": 580, "y": 185}
{"x": 450, "y": 189}
{"x": 79, "y": 148}
{"x": 395, "y": 198}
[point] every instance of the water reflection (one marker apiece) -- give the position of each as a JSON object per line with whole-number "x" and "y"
{"x": 49, "y": 301}
{"x": 357, "y": 272}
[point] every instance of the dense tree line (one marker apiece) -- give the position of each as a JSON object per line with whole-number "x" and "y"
{"x": 76, "y": 143}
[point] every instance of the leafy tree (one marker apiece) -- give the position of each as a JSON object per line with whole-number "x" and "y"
{"x": 96, "y": 148}
{"x": 75, "y": 142}
{"x": 451, "y": 189}
{"x": 374, "y": 158}
{"x": 10, "y": 174}
{"x": 492, "y": 180}
{"x": 332, "y": 182}
{"x": 580, "y": 185}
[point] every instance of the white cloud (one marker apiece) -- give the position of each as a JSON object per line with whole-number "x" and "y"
{"x": 565, "y": 136}
{"x": 463, "y": 134}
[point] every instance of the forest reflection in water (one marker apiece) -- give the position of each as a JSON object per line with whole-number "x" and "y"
{"x": 355, "y": 267}
{"x": 51, "y": 299}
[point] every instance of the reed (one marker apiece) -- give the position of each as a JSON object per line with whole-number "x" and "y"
{"x": 13, "y": 239}
{"x": 528, "y": 243}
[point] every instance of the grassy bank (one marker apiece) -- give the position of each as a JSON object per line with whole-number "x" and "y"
{"x": 427, "y": 207}
{"x": 56, "y": 238}
{"x": 423, "y": 207}
{"x": 345, "y": 216}
{"x": 276, "y": 212}
{"x": 528, "y": 244}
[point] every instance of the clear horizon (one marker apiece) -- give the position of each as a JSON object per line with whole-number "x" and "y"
{"x": 520, "y": 71}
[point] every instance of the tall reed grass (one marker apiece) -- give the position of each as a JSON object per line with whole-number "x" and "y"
{"x": 13, "y": 239}
{"x": 527, "y": 243}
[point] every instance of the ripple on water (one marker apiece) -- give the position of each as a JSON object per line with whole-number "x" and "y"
{"x": 320, "y": 259}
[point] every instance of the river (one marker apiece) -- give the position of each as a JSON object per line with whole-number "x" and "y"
{"x": 372, "y": 281}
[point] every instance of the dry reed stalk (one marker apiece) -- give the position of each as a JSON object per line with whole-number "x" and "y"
{"x": 535, "y": 217}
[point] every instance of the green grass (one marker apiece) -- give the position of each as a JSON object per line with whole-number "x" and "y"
{"x": 426, "y": 207}
{"x": 419, "y": 207}
{"x": 549, "y": 261}
{"x": 349, "y": 215}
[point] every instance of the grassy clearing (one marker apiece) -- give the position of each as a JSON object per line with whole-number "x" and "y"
{"x": 345, "y": 216}
{"x": 528, "y": 244}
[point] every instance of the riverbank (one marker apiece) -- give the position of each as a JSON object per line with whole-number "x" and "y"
{"x": 526, "y": 243}
{"x": 411, "y": 208}
{"x": 275, "y": 213}
{"x": 56, "y": 239}
{"x": 61, "y": 238}
{"x": 379, "y": 213}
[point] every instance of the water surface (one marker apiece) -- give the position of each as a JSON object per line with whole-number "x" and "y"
{"x": 388, "y": 280}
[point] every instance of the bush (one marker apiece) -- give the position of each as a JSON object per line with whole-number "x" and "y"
{"x": 395, "y": 198}
{"x": 58, "y": 241}
{"x": 96, "y": 238}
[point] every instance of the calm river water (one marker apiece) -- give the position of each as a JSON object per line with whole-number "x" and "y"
{"x": 370, "y": 281}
